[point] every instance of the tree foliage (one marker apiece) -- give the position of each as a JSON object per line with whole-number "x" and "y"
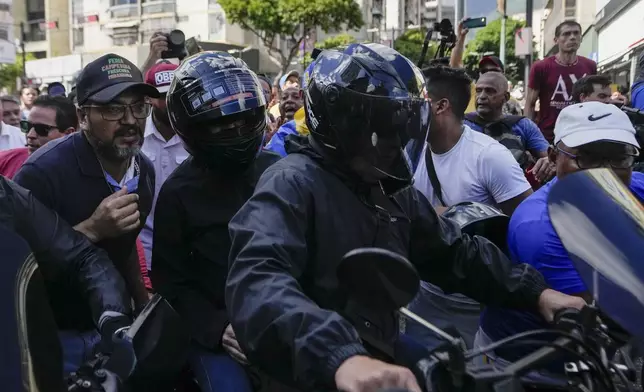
{"x": 291, "y": 19}
{"x": 488, "y": 39}
{"x": 330, "y": 43}
{"x": 9, "y": 73}
{"x": 410, "y": 45}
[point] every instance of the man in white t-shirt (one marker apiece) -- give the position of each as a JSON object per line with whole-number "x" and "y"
{"x": 162, "y": 145}
{"x": 470, "y": 166}
{"x": 10, "y": 136}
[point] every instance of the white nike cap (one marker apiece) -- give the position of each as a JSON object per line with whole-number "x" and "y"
{"x": 589, "y": 122}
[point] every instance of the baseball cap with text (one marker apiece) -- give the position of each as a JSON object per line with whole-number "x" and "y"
{"x": 160, "y": 76}
{"x": 589, "y": 122}
{"x": 109, "y": 76}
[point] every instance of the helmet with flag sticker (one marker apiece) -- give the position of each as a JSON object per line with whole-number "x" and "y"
{"x": 217, "y": 107}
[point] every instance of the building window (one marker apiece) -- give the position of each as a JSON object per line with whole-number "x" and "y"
{"x": 79, "y": 36}
{"x": 125, "y": 40}
{"x": 216, "y": 23}
{"x": 4, "y": 33}
{"x": 122, "y": 2}
{"x": 35, "y": 32}
{"x": 213, "y": 4}
{"x": 151, "y": 26}
{"x": 78, "y": 12}
{"x": 183, "y": 19}
{"x": 571, "y": 3}
{"x": 570, "y": 13}
{"x": 159, "y": 7}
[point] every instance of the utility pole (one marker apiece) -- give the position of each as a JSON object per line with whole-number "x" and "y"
{"x": 23, "y": 36}
{"x": 528, "y": 23}
{"x": 459, "y": 11}
{"x": 502, "y": 8}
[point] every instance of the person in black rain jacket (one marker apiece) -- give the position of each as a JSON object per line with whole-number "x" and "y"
{"x": 345, "y": 187}
{"x": 191, "y": 241}
{"x": 66, "y": 257}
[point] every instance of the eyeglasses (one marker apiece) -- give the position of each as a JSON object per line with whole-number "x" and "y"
{"x": 41, "y": 129}
{"x": 115, "y": 112}
{"x": 625, "y": 161}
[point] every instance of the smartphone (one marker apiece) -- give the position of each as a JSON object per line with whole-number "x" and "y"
{"x": 475, "y": 23}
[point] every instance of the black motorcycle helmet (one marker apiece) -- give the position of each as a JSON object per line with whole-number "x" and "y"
{"x": 217, "y": 107}
{"x": 482, "y": 220}
{"x": 364, "y": 93}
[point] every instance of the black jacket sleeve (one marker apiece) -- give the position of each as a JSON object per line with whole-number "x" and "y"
{"x": 171, "y": 253}
{"x": 64, "y": 253}
{"x": 279, "y": 328}
{"x": 473, "y": 266}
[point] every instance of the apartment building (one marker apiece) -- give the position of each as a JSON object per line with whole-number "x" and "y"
{"x": 46, "y": 26}
{"x": 67, "y": 34}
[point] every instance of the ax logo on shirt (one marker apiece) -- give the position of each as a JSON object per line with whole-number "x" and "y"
{"x": 561, "y": 88}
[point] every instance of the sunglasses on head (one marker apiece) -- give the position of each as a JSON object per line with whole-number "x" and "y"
{"x": 41, "y": 129}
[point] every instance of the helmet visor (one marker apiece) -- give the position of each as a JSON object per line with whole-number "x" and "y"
{"x": 377, "y": 129}
{"x": 222, "y": 93}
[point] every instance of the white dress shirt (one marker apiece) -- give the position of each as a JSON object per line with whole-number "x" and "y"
{"x": 165, "y": 156}
{"x": 11, "y": 137}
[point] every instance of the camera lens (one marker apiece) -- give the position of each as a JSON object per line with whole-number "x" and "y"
{"x": 177, "y": 37}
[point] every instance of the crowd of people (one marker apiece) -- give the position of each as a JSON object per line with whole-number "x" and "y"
{"x": 235, "y": 198}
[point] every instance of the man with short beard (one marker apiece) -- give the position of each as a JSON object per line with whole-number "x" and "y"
{"x": 162, "y": 145}
{"x": 99, "y": 181}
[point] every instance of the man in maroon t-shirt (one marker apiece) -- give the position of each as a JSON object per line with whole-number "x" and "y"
{"x": 552, "y": 78}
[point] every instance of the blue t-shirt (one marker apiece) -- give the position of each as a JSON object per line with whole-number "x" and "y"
{"x": 637, "y": 96}
{"x": 529, "y": 133}
{"x": 276, "y": 144}
{"x": 532, "y": 240}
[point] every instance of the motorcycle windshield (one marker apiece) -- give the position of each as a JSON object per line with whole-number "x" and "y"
{"x": 601, "y": 225}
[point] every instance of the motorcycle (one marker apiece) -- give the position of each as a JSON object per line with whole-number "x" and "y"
{"x": 154, "y": 345}
{"x": 603, "y": 234}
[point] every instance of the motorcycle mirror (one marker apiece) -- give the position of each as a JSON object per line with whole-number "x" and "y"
{"x": 601, "y": 225}
{"x": 378, "y": 278}
{"x": 159, "y": 339}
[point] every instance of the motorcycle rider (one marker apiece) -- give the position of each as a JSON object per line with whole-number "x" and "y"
{"x": 345, "y": 187}
{"x": 224, "y": 134}
{"x": 66, "y": 258}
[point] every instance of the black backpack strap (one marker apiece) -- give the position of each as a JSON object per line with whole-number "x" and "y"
{"x": 433, "y": 177}
{"x": 511, "y": 121}
{"x": 474, "y": 118}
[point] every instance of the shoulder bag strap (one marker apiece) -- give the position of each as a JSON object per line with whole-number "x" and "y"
{"x": 433, "y": 177}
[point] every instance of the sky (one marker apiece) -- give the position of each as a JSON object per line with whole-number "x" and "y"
{"x": 475, "y": 8}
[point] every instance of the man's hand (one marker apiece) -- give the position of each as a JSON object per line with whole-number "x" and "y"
{"x": 158, "y": 45}
{"x": 364, "y": 374}
{"x": 117, "y": 214}
{"x": 230, "y": 344}
{"x": 551, "y": 301}
{"x": 543, "y": 170}
{"x": 461, "y": 32}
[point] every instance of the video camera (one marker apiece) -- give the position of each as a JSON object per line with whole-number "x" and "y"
{"x": 176, "y": 45}
{"x": 447, "y": 40}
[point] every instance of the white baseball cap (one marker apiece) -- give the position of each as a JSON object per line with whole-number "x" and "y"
{"x": 589, "y": 122}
